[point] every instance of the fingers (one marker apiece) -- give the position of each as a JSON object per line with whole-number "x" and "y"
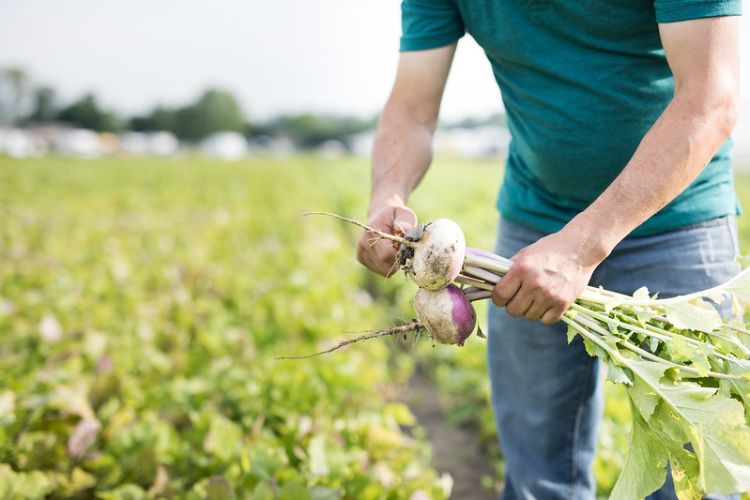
{"x": 552, "y": 316}
{"x": 379, "y": 255}
{"x": 536, "y": 311}
{"x": 522, "y": 295}
{"x": 506, "y": 289}
{"x": 404, "y": 219}
{"x": 520, "y": 303}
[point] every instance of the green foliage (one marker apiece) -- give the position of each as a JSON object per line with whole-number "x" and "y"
{"x": 214, "y": 111}
{"x": 86, "y": 113}
{"x": 160, "y": 118}
{"x": 309, "y": 130}
{"x": 14, "y": 93}
{"x": 44, "y": 106}
{"x": 142, "y": 304}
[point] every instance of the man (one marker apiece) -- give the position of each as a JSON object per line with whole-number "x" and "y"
{"x": 617, "y": 174}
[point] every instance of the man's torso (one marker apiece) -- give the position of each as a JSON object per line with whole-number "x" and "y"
{"x": 582, "y": 82}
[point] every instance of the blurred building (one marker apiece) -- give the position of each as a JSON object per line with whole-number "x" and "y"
{"x": 79, "y": 142}
{"x": 160, "y": 143}
{"x": 19, "y": 143}
{"x": 227, "y": 146}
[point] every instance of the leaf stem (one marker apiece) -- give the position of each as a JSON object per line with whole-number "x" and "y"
{"x": 645, "y": 354}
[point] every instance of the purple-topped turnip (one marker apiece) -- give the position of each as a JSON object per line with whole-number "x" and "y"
{"x": 446, "y": 314}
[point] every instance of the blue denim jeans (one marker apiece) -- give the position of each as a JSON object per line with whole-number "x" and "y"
{"x": 546, "y": 394}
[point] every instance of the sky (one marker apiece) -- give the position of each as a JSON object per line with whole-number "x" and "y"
{"x": 277, "y": 56}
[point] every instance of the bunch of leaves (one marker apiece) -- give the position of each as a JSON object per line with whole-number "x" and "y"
{"x": 687, "y": 373}
{"x": 687, "y": 370}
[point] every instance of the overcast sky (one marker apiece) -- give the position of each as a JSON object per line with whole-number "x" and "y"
{"x": 275, "y": 55}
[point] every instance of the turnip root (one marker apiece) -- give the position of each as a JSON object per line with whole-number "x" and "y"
{"x": 446, "y": 314}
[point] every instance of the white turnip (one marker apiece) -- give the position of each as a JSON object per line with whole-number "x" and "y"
{"x": 436, "y": 256}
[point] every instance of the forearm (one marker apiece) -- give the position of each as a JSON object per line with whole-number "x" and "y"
{"x": 401, "y": 154}
{"x": 671, "y": 155}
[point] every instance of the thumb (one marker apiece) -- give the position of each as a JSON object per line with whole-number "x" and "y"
{"x": 404, "y": 219}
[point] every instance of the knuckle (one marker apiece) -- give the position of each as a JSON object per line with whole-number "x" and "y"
{"x": 500, "y": 300}
{"x": 498, "y": 297}
{"x": 557, "y": 300}
{"x": 535, "y": 285}
{"x": 521, "y": 266}
{"x": 549, "y": 320}
{"x": 555, "y": 316}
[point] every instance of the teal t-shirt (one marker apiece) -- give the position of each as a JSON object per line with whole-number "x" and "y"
{"x": 582, "y": 82}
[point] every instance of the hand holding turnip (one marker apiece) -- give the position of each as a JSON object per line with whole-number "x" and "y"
{"x": 546, "y": 277}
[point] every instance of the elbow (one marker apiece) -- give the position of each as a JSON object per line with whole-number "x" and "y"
{"x": 724, "y": 106}
{"x": 729, "y": 112}
{"x": 717, "y": 105}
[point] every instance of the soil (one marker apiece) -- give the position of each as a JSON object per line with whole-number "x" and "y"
{"x": 455, "y": 450}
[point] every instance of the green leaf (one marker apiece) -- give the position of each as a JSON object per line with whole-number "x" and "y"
{"x": 33, "y": 484}
{"x": 323, "y": 493}
{"x": 641, "y": 294}
{"x": 618, "y": 375}
{"x": 716, "y": 426}
{"x": 294, "y": 491}
{"x": 645, "y": 467}
{"x": 124, "y": 492}
{"x": 7, "y": 407}
{"x": 739, "y": 287}
{"x": 644, "y": 398}
{"x": 671, "y": 432}
{"x": 571, "y": 334}
{"x": 263, "y": 491}
{"x": 695, "y": 315}
{"x": 218, "y": 488}
{"x": 680, "y": 352}
{"x": 318, "y": 460}
{"x": 224, "y": 437}
{"x": 594, "y": 350}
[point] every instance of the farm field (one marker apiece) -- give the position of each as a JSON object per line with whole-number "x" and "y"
{"x": 142, "y": 304}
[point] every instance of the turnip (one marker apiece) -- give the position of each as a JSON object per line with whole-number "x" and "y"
{"x": 446, "y": 314}
{"x": 436, "y": 257}
{"x": 431, "y": 254}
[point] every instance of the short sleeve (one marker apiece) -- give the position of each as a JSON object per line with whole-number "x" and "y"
{"x": 429, "y": 24}
{"x": 669, "y": 11}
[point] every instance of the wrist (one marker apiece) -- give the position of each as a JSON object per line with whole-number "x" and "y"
{"x": 596, "y": 240}
{"x": 382, "y": 199}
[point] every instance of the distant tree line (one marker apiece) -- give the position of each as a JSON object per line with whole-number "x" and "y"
{"x": 24, "y": 103}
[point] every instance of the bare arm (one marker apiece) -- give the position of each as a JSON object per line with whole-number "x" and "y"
{"x": 703, "y": 55}
{"x": 403, "y": 148}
